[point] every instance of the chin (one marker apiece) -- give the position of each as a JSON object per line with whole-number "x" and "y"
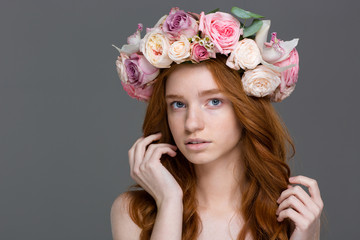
{"x": 198, "y": 158}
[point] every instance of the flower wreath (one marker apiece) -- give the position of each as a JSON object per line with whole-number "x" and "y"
{"x": 267, "y": 68}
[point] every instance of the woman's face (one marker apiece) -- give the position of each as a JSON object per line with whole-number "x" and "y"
{"x": 201, "y": 119}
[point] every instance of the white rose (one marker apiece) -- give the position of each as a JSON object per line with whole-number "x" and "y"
{"x": 260, "y": 81}
{"x": 180, "y": 50}
{"x": 155, "y": 47}
{"x": 120, "y": 67}
{"x": 246, "y": 55}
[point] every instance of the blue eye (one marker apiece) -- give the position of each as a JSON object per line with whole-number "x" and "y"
{"x": 215, "y": 102}
{"x": 177, "y": 104}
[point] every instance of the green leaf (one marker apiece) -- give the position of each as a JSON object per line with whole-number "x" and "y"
{"x": 253, "y": 28}
{"x": 214, "y": 11}
{"x": 243, "y": 14}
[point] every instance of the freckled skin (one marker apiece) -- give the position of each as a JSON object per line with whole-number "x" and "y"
{"x": 199, "y": 117}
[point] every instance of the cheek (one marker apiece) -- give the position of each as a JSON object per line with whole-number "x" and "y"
{"x": 175, "y": 126}
{"x": 228, "y": 125}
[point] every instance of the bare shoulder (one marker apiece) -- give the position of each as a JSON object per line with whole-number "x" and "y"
{"x": 122, "y": 226}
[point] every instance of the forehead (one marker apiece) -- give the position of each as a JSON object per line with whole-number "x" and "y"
{"x": 190, "y": 78}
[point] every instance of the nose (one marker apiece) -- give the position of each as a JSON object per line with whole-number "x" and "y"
{"x": 194, "y": 120}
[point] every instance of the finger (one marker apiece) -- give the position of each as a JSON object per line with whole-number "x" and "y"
{"x": 139, "y": 151}
{"x": 147, "y": 169}
{"x": 312, "y": 186}
{"x": 299, "y": 193}
{"x": 153, "y": 147}
{"x": 294, "y": 203}
{"x": 149, "y": 139}
{"x": 156, "y": 154}
{"x": 292, "y": 214}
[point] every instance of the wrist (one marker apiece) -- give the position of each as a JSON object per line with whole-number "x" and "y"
{"x": 170, "y": 201}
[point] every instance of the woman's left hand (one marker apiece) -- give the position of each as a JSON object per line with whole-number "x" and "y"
{"x": 302, "y": 209}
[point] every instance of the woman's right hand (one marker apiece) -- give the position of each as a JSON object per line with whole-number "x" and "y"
{"x": 147, "y": 170}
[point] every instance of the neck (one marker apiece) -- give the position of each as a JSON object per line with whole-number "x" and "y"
{"x": 218, "y": 184}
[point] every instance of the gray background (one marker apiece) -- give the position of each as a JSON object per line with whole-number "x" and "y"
{"x": 66, "y": 124}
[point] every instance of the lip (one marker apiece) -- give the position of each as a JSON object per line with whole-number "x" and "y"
{"x": 195, "y": 140}
{"x": 198, "y": 146}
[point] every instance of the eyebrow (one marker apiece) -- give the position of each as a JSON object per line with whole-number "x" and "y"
{"x": 201, "y": 94}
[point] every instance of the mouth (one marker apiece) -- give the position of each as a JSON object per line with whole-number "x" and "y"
{"x": 196, "y": 144}
{"x": 195, "y": 141}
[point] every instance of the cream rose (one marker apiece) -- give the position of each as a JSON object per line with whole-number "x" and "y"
{"x": 120, "y": 67}
{"x": 246, "y": 55}
{"x": 180, "y": 50}
{"x": 260, "y": 81}
{"x": 155, "y": 47}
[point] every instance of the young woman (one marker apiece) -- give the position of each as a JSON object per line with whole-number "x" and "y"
{"x": 212, "y": 163}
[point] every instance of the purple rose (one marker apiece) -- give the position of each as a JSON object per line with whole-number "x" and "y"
{"x": 139, "y": 71}
{"x": 179, "y": 22}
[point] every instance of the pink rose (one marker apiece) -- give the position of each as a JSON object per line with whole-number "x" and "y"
{"x": 223, "y": 30}
{"x": 278, "y": 95}
{"x": 200, "y": 53}
{"x": 289, "y": 77}
{"x": 142, "y": 93}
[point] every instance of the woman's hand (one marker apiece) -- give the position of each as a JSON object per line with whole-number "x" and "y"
{"x": 147, "y": 170}
{"x": 302, "y": 209}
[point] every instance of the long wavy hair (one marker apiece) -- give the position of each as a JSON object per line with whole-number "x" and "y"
{"x": 265, "y": 145}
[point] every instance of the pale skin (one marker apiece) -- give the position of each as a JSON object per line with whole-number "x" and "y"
{"x": 196, "y": 109}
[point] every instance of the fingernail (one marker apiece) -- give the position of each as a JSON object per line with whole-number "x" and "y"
{"x": 291, "y": 178}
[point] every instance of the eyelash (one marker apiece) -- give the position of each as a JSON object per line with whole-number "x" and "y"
{"x": 174, "y": 102}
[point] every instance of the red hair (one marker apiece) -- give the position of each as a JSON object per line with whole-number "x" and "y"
{"x": 265, "y": 142}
